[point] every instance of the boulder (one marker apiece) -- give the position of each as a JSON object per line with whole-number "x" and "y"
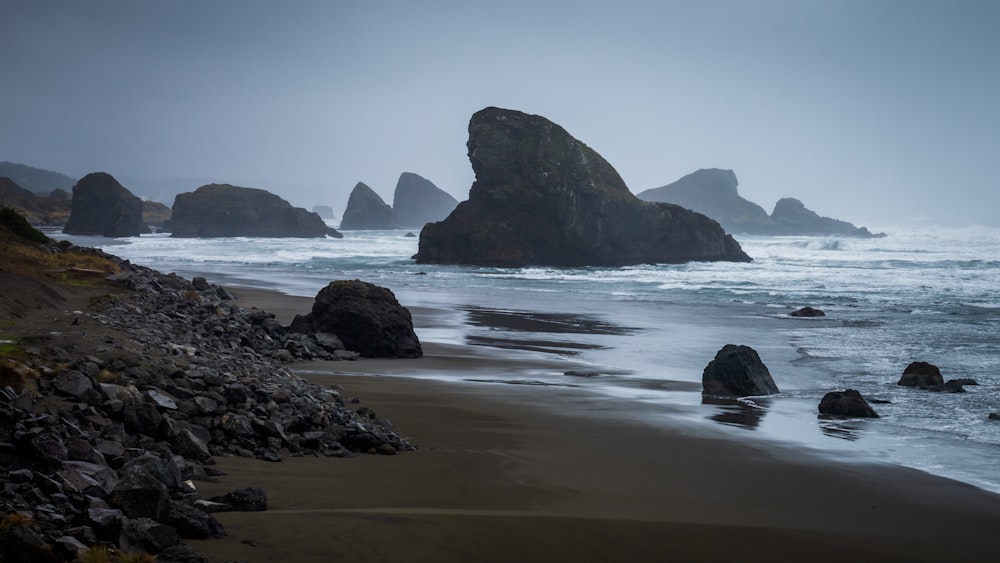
{"x": 807, "y": 312}
{"x": 222, "y": 210}
{"x": 140, "y": 495}
{"x": 713, "y": 191}
{"x": 102, "y": 206}
{"x": 417, "y": 201}
{"x": 922, "y": 375}
{"x": 541, "y": 197}
{"x": 366, "y": 317}
{"x": 737, "y": 371}
{"x": 847, "y": 403}
{"x": 244, "y": 499}
{"x": 194, "y": 523}
{"x": 366, "y": 210}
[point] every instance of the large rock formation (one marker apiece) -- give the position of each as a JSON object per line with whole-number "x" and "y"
{"x": 222, "y": 210}
{"x": 102, "y": 206}
{"x": 542, "y": 197}
{"x": 417, "y": 201}
{"x": 366, "y": 210}
{"x": 713, "y": 191}
{"x": 737, "y": 371}
{"x": 791, "y": 217}
{"x": 367, "y": 319}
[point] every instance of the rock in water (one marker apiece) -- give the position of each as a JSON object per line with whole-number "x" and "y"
{"x": 807, "y": 312}
{"x": 366, "y": 210}
{"x": 366, "y": 317}
{"x": 541, "y": 197}
{"x": 713, "y": 191}
{"x": 922, "y": 375}
{"x": 737, "y": 371}
{"x": 417, "y": 201}
{"x": 791, "y": 217}
{"x": 847, "y": 403}
{"x": 102, "y": 206}
{"x": 222, "y": 210}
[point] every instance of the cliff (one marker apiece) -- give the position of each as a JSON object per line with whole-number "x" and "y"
{"x": 541, "y": 197}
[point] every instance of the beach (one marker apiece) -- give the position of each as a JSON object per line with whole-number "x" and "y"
{"x": 539, "y": 473}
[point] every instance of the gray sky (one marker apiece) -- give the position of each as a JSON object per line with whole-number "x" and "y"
{"x": 878, "y": 112}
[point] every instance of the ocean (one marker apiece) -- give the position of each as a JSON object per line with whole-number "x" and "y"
{"x": 645, "y": 333}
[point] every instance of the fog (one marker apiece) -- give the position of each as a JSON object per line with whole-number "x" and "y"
{"x": 878, "y": 112}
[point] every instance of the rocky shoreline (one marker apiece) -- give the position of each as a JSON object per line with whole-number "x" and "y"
{"x": 103, "y": 438}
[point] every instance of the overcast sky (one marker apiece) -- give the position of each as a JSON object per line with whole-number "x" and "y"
{"x": 878, "y": 112}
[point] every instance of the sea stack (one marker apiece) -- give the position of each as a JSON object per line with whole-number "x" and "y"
{"x": 366, "y": 210}
{"x": 223, "y": 210}
{"x": 102, "y": 206}
{"x": 417, "y": 201}
{"x": 541, "y": 197}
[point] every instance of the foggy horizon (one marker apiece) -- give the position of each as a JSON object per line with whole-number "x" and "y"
{"x": 880, "y": 113}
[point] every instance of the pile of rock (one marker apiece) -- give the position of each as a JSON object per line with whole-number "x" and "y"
{"x": 103, "y": 442}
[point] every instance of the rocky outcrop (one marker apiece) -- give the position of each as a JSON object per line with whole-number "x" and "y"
{"x": 158, "y": 378}
{"x": 367, "y": 211}
{"x": 37, "y": 210}
{"x": 849, "y": 403}
{"x": 222, "y": 210}
{"x": 737, "y": 371}
{"x": 417, "y": 201}
{"x": 541, "y": 197}
{"x": 713, "y": 191}
{"x": 102, "y": 206}
{"x": 365, "y": 317}
{"x": 790, "y": 217}
{"x": 324, "y": 211}
{"x": 155, "y": 215}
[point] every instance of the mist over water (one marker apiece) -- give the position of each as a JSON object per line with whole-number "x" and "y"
{"x": 646, "y": 332}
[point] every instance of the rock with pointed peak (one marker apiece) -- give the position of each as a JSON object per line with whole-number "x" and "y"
{"x": 367, "y": 211}
{"x": 541, "y": 197}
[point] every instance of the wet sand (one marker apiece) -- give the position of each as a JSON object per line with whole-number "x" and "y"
{"x": 533, "y": 473}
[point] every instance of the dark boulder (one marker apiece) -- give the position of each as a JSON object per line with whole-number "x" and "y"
{"x": 222, "y": 210}
{"x": 102, "y": 206}
{"x": 194, "y": 523}
{"x": 807, "y": 312}
{"x": 541, "y": 197}
{"x": 847, "y": 403}
{"x": 244, "y": 499}
{"x": 922, "y": 375}
{"x": 737, "y": 371}
{"x": 417, "y": 201}
{"x": 140, "y": 495}
{"x": 366, "y": 210}
{"x": 366, "y": 317}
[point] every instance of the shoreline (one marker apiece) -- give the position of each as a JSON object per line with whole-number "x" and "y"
{"x": 545, "y": 472}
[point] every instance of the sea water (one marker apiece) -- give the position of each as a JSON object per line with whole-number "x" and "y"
{"x": 644, "y": 333}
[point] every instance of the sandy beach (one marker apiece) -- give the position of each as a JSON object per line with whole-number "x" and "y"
{"x": 546, "y": 473}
